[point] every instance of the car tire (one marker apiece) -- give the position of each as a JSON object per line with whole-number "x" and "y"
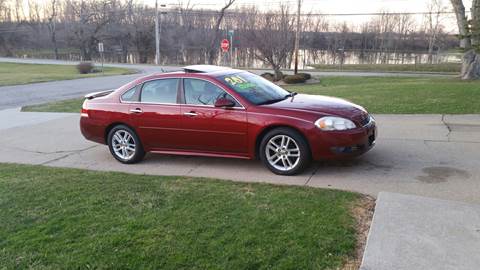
{"x": 124, "y": 145}
{"x": 284, "y": 151}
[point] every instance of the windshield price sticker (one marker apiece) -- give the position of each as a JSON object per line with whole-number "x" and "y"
{"x": 239, "y": 82}
{"x": 234, "y": 80}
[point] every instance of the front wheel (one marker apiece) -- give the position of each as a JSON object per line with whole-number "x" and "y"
{"x": 284, "y": 151}
{"x": 125, "y": 145}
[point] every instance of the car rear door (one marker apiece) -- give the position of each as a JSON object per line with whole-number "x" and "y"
{"x": 206, "y": 128}
{"x": 157, "y": 115}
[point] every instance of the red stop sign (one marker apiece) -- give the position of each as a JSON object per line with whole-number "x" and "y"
{"x": 225, "y": 45}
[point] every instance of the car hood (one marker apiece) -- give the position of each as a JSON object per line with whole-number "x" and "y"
{"x": 323, "y": 105}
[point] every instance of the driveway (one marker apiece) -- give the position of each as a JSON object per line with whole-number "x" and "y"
{"x": 417, "y": 233}
{"x": 21, "y": 95}
{"x": 429, "y": 155}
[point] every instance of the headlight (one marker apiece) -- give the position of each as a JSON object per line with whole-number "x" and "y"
{"x": 328, "y": 123}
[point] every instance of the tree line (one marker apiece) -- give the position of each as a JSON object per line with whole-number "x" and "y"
{"x": 72, "y": 29}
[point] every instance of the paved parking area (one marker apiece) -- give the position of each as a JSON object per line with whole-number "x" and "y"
{"x": 429, "y": 155}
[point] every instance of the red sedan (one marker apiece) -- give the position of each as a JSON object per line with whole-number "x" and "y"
{"x": 221, "y": 112}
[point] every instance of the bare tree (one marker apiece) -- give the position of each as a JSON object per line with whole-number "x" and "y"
{"x": 142, "y": 33}
{"x": 405, "y": 27}
{"x": 91, "y": 17}
{"x": 5, "y": 11}
{"x": 469, "y": 34}
{"x": 433, "y": 25}
{"x": 213, "y": 48}
{"x": 51, "y": 24}
{"x": 272, "y": 35}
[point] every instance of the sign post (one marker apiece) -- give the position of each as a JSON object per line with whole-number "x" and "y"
{"x": 100, "y": 50}
{"x": 224, "y": 45}
{"x": 230, "y": 34}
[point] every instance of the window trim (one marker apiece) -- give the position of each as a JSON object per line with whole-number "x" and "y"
{"x": 142, "y": 84}
{"x": 129, "y": 89}
{"x": 184, "y": 102}
{"x": 180, "y": 94}
{"x": 160, "y": 79}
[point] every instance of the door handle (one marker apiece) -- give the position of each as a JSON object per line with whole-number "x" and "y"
{"x": 137, "y": 110}
{"x": 191, "y": 114}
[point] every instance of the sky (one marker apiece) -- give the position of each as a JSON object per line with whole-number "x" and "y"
{"x": 333, "y": 6}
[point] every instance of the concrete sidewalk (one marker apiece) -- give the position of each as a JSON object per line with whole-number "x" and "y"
{"x": 430, "y": 155}
{"x": 418, "y": 233}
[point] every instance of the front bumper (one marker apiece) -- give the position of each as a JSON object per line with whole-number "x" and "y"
{"x": 344, "y": 144}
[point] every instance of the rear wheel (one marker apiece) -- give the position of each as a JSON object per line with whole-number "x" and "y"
{"x": 284, "y": 151}
{"x": 124, "y": 145}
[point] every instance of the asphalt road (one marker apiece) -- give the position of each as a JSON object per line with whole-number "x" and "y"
{"x": 21, "y": 95}
{"x": 427, "y": 155}
{"x": 36, "y": 93}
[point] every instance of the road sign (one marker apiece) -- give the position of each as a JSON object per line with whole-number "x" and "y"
{"x": 225, "y": 45}
{"x": 100, "y": 50}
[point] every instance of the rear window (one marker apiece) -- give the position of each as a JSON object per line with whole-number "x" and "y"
{"x": 132, "y": 95}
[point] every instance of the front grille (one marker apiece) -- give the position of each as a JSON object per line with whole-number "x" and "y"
{"x": 348, "y": 149}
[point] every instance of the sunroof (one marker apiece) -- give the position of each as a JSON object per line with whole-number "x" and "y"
{"x": 203, "y": 68}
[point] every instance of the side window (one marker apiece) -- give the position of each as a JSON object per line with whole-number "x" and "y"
{"x": 132, "y": 95}
{"x": 160, "y": 91}
{"x": 200, "y": 92}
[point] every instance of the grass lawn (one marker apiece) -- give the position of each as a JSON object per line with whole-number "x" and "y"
{"x": 13, "y": 73}
{"x": 443, "y": 68}
{"x": 69, "y": 105}
{"x": 53, "y": 218}
{"x": 398, "y": 95}
{"x": 391, "y": 95}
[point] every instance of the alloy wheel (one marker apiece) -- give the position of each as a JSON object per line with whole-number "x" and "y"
{"x": 123, "y": 144}
{"x": 282, "y": 152}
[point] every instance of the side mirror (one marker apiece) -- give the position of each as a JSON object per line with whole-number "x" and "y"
{"x": 224, "y": 103}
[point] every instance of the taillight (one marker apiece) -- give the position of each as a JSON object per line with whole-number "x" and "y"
{"x": 84, "y": 111}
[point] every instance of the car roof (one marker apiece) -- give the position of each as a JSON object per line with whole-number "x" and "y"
{"x": 201, "y": 70}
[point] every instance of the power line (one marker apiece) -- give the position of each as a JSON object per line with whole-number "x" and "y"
{"x": 280, "y": 2}
{"x": 212, "y": 12}
{"x": 377, "y": 13}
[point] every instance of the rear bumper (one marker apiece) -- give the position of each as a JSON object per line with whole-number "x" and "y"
{"x": 343, "y": 144}
{"x": 92, "y": 130}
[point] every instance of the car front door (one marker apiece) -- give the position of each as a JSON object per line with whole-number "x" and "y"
{"x": 158, "y": 114}
{"x": 207, "y": 128}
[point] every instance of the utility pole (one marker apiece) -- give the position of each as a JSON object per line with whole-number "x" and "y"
{"x": 157, "y": 37}
{"x": 297, "y": 36}
{"x": 157, "y": 32}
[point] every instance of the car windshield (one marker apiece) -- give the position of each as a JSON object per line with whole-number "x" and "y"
{"x": 254, "y": 88}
